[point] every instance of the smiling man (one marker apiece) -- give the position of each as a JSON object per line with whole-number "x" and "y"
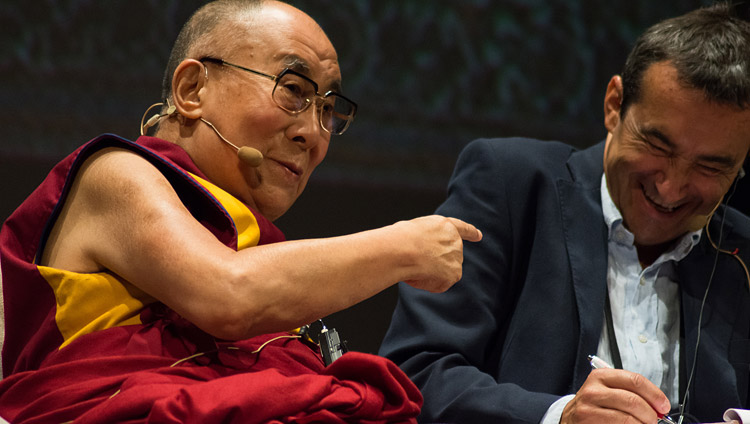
{"x": 611, "y": 251}
{"x": 671, "y": 158}
{"x": 145, "y": 281}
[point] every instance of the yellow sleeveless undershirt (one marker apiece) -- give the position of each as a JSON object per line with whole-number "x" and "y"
{"x": 97, "y": 301}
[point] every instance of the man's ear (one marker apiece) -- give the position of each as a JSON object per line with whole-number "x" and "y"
{"x": 613, "y": 103}
{"x": 188, "y": 85}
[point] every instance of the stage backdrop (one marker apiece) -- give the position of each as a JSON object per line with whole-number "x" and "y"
{"x": 429, "y": 76}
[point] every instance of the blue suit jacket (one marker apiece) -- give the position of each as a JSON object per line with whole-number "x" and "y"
{"x": 513, "y": 335}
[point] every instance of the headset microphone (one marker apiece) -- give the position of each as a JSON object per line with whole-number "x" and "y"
{"x": 248, "y": 155}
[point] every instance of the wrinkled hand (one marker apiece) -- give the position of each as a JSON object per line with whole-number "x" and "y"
{"x": 437, "y": 263}
{"x": 616, "y": 396}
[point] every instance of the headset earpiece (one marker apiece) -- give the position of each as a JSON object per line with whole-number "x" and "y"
{"x": 171, "y": 110}
{"x": 151, "y": 121}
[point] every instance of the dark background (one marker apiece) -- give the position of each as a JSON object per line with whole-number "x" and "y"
{"x": 429, "y": 76}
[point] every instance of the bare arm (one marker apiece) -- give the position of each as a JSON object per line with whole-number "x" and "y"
{"x": 123, "y": 216}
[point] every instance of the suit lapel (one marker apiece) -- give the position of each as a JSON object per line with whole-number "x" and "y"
{"x": 585, "y": 239}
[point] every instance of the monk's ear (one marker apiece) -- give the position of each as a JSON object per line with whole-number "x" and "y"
{"x": 188, "y": 88}
{"x": 613, "y": 103}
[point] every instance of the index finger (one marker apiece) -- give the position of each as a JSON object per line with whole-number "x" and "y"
{"x": 467, "y": 231}
{"x": 638, "y": 384}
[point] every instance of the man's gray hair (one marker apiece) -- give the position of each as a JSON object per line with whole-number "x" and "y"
{"x": 709, "y": 47}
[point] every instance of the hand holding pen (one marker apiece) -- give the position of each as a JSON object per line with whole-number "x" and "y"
{"x": 613, "y": 395}
{"x": 598, "y": 363}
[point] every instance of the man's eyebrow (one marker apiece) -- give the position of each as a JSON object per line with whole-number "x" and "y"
{"x": 721, "y": 160}
{"x": 655, "y": 133}
{"x": 297, "y": 64}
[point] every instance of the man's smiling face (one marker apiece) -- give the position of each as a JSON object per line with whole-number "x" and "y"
{"x": 672, "y": 156}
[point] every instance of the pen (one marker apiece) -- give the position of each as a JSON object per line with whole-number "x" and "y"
{"x": 599, "y": 363}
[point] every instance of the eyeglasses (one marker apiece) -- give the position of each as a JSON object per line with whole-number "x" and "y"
{"x": 295, "y": 92}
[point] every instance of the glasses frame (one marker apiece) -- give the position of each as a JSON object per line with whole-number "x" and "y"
{"x": 308, "y": 101}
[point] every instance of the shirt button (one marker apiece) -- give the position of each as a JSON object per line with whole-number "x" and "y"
{"x": 642, "y": 338}
{"x": 643, "y": 281}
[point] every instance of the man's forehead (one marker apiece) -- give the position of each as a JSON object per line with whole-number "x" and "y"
{"x": 285, "y": 36}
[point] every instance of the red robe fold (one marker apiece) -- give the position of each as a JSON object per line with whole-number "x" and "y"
{"x": 286, "y": 382}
